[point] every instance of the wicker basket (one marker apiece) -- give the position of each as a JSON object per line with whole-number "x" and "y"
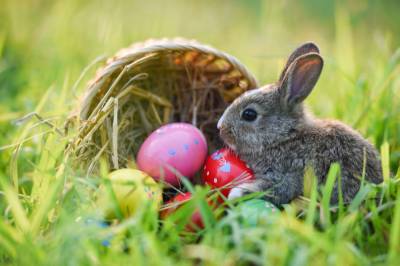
{"x": 150, "y": 84}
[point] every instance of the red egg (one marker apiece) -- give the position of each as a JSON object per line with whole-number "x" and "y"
{"x": 224, "y": 170}
{"x": 196, "y": 222}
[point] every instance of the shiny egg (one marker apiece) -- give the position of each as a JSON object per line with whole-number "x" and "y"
{"x": 256, "y": 211}
{"x": 224, "y": 170}
{"x": 172, "y": 151}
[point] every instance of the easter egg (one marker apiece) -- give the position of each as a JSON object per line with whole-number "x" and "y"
{"x": 171, "y": 151}
{"x": 100, "y": 224}
{"x": 196, "y": 222}
{"x": 256, "y": 211}
{"x": 224, "y": 170}
{"x": 130, "y": 190}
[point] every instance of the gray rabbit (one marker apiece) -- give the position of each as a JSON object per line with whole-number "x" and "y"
{"x": 270, "y": 129}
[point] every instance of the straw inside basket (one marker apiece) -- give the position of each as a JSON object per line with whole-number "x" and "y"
{"x": 151, "y": 84}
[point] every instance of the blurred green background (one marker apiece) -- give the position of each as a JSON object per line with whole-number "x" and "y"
{"x": 47, "y": 44}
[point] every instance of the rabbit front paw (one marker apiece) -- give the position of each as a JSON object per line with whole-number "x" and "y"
{"x": 235, "y": 193}
{"x": 241, "y": 190}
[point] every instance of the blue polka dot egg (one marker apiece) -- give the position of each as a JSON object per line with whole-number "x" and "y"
{"x": 171, "y": 151}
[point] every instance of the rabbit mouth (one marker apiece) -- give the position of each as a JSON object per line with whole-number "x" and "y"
{"x": 228, "y": 139}
{"x": 231, "y": 146}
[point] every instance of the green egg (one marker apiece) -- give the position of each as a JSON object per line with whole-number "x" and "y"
{"x": 256, "y": 211}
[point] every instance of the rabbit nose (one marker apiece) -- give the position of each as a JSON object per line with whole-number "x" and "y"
{"x": 219, "y": 125}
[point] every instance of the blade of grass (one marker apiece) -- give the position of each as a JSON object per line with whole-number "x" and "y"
{"x": 15, "y": 205}
{"x": 394, "y": 242}
{"x": 200, "y": 197}
{"x": 9, "y": 238}
{"x": 7, "y": 246}
{"x": 23, "y": 135}
{"x": 385, "y": 161}
{"x": 40, "y": 213}
{"x": 113, "y": 197}
{"x": 361, "y": 195}
{"x": 327, "y": 193}
{"x": 312, "y": 207}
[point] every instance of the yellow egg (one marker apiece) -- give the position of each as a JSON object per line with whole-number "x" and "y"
{"x": 128, "y": 191}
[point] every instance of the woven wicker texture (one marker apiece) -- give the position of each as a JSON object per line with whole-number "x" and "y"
{"x": 150, "y": 84}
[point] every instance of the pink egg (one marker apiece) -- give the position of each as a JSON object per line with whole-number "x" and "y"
{"x": 171, "y": 149}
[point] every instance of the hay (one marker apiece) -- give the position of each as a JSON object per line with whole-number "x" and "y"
{"x": 150, "y": 84}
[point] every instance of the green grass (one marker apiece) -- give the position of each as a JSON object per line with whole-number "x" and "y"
{"x": 45, "y": 203}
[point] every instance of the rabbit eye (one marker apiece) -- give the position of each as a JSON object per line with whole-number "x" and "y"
{"x": 249, "y": 114}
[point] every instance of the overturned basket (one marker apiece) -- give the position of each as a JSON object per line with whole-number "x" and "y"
{"x": 150, "y": 84}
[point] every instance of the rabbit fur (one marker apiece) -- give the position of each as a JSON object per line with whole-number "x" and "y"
{"x": 284, "y": 138}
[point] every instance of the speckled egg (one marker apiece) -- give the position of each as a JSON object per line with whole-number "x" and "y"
{"x": 173, "y": 150}
{"x": 224, "y": 169}
{"x": 256, "y": 211}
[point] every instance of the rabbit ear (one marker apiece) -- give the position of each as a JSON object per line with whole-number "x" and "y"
{"x": 300, "y": 78}
{"x": 305, "y": 48}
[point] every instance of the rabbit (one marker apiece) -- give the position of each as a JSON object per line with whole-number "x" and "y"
{"x": 271, "y": 130}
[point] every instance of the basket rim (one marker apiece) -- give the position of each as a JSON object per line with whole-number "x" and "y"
{"x": 139, "y": 49}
